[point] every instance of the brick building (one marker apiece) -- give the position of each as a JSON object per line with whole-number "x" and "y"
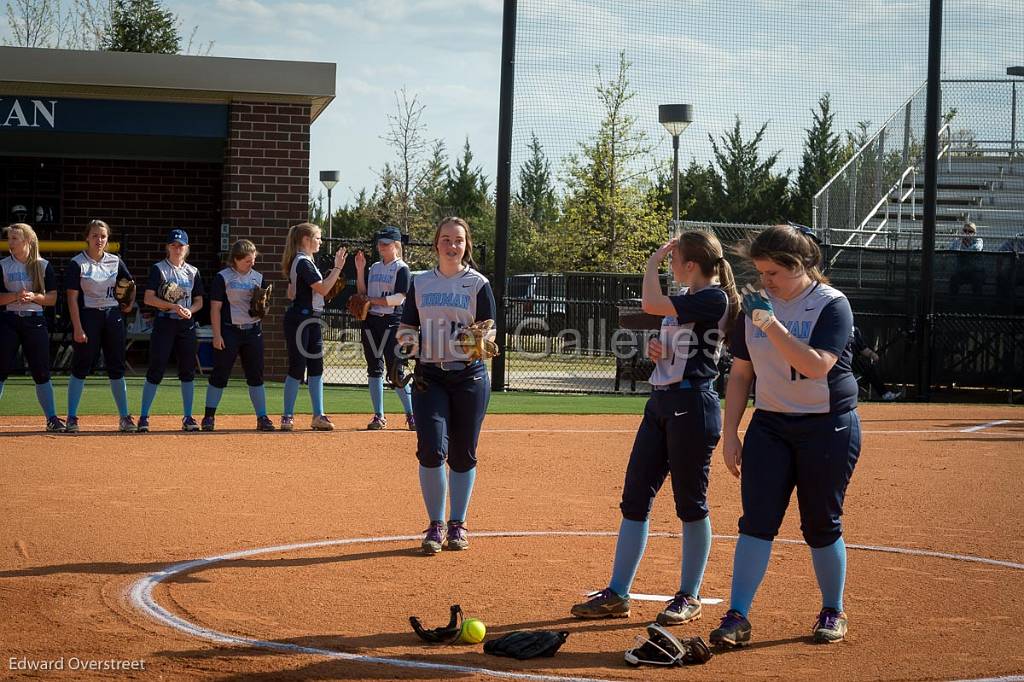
{"x": 146, "y": 142}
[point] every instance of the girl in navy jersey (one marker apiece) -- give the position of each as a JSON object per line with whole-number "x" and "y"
{"x": 681, "y": 424}
{"x": 386, "y": 285}
{"x": 452, "y": 396}
{"x": 302, "y": 331}
{"x": 27, "y": 283}
{"x": 805, "y": 432}
{"x": 236, "y": 332}
{"x": 174, "y": 331}
{"x": 97, "y": 320}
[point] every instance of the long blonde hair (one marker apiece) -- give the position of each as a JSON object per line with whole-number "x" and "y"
{"x": 704, "y": 249}
{"x": 32, "y": 265}
{"x": 296, "y": 233}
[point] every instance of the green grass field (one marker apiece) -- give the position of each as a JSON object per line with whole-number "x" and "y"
{"x": 19, "y": 398}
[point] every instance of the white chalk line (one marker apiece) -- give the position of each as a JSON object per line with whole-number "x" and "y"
{"x": 982, "y": 427}
{"x": 141, "y": 597}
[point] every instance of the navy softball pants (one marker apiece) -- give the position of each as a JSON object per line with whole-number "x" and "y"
{"x": 29, "y": 332}
{"x": 104, "y": 329}
{"x": 379, "y": 343}
{"x": 677, "y": 435}
{"x": 172, "y": 336}
{"x": 816, "y": 453}
{"x": 247, "y": 343}
{"x": 305, "y": 341}
{"x": 449, "y": 412}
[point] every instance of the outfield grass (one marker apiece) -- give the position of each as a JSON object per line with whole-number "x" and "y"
{"x": 19, "y": 398}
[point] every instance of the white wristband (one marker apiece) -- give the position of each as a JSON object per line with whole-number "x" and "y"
{"x": 395, "y": 299}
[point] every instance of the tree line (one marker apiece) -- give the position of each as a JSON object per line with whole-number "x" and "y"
{"x": 608, "y": 204}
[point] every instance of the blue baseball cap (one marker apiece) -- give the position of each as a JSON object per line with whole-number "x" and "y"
{"x": 389, "y": 234}
{"x": 178, "y": 235}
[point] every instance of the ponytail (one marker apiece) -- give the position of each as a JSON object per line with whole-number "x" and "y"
{"x": 727, "y": 282}
{"x": 33, "y": 265}
{"x": 296, "y": 233}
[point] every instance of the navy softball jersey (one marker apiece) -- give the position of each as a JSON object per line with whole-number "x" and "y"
{"x": 242, "y": 333}
{"x": 820, "y": 318}
{"x": 304, "y": 273}
{"x": 172, "y": 335}
{"x": 441, "y": 305}
{"x": 383, "y": 280}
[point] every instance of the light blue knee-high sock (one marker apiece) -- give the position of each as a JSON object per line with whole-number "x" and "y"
{"x": 75, "y": 388}
{"x": 696, "y": 548}
{"x": 258, "y": 396}
{"x": 461, "y": 489}
{"x": 187, "y": 397}
{"x": 291, "y": 394}
{"x": 316, "y": 394}
{"x": 119, "y": 389}
{"x": 44, "y": 394}
{"x": 377, "y": 395}
{"x": 748, "y": 568}
{"x": 830, "y": 569}
{"x": 629, "y": 549}
{"x": 148, "y": 396}
{"x": 405, "y": 397}
{"x": 1, "y": 389}
{"x": 213, "y": 395}
{"x": 434, "y": 485}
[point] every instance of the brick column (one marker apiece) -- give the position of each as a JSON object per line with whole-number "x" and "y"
{"x": 266, "y": 190}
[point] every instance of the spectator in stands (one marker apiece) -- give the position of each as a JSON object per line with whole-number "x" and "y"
{"x": 865, "y": 363}
{"x": 967, "y": 269}
{"x": 1010, "y": 268}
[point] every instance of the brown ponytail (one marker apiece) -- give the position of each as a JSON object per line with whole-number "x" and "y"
{"x": 704, "y": 249}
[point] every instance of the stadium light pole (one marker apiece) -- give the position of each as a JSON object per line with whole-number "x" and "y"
{"x": 329, "y": 179}
{"x": 675, "y": 118}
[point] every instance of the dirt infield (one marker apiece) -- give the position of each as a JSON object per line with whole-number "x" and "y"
{"x": 85, "y": 518}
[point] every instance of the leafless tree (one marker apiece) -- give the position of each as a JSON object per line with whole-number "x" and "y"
{"x": 406, "y": 136}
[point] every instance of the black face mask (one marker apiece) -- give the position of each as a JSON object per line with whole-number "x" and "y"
{"x": 445, "y": 635}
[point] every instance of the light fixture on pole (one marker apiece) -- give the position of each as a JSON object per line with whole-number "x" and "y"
{"x": 1015, "y": 71}
{"x": 675, "y": 118}
{"x": 329, "y": 179}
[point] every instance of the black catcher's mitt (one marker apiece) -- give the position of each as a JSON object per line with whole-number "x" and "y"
{"x": 124, "y": 291}
{"x": 170, "y": 292}
{"x": 260, "y": 302}
{"x": 524, "y": 644}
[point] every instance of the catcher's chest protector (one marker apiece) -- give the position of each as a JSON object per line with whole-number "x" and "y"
{"x": 238, "y": 290}
{"x": 445, "y": 305}
{"x": 184, "y": 276}
{"x": 97, "y": 280}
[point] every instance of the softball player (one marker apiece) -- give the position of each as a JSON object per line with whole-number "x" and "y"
{"x": 27, "y": 283}
{"x": 236, "y": 332}
{"x": 302, "y": 331}
{"x": 386, "y": 285}
{"x": 681, "y": 425}
{"x": 97, "y": 320}
{"x": 452, "y": 398}
{"x": 805, "y": 432}
{"x": 174, "y": 330}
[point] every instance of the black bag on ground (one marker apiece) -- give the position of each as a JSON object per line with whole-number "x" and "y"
{"x": 523, "y": 644}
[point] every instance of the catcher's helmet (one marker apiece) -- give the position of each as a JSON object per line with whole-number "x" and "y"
{"x": 659, "y": 647}
{"x": 19, "y": 212}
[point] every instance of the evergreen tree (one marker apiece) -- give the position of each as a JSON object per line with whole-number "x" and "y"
{"x": 536, "y": 193}
{"x": 466, "y": 188}
{"x": 611, "y": 220}
{"x": 430, "y": 199}
{"x": 822, "y": 158}
{"x": 745, "y": 189}
{"x": 141, "y": 26}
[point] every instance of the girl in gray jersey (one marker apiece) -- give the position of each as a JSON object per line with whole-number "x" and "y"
{"x": 98, "y": 321}
{"x": 386, "y": 285}
{"x": 805, "y": 432}
{"x": 237, "y": 333}
{"x": 452, "y": 393}
{"x": 27, "y": 283}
